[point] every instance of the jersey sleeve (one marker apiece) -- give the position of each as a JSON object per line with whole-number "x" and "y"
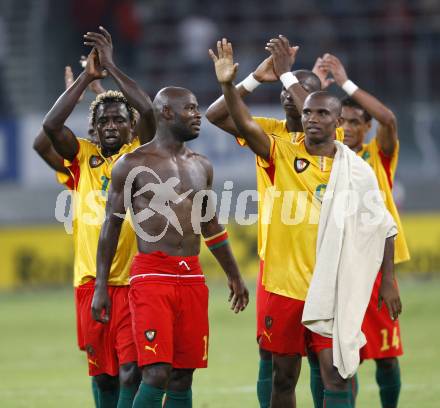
{"x": 267, "y": 124}
{"x": 74, "y": 166}
{"x": 280, "y": 149}
{"x": 64, "y": 179}
{"x": 389, "y": 163}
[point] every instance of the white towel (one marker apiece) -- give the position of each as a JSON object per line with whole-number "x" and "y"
{"x": 349, "y": 254}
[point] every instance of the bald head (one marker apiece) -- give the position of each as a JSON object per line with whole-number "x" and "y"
{"x": 308, "y": 80}
{"x": 320, "y": 116}
{"x": 324, "y": 98}
{"x": 177, "y": 112}
{"x": 170, "y": 96}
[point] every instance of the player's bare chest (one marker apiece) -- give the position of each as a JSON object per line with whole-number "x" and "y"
{"x": 181, "y": 177}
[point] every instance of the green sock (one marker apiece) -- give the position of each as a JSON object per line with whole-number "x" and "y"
{"x": 264, "y": 383}
{"x": 337, "y": 399}
{"x": 389, "y": 385}
{"x": 95, "y": 392}
{"x": 108, "y": 399}
{"x": 178, "y": 399}
{"x": 316, "y": 384}
{"x": 126, "y": 396}
{"x": 353, "y": 389}
{"x": 148, "y": 396}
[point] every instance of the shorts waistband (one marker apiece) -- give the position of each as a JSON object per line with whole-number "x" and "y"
{"x": 159, "y": 265}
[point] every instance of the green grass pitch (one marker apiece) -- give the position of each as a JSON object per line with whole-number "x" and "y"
{"x": 41, "y": 367}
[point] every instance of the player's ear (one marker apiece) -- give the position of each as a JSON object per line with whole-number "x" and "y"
{"x": 167, "y": 112}
{"x": 339, "y": 121}
{"x": 369, "y": 124}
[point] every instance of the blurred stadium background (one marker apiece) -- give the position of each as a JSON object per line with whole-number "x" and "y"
{"x": 390, "y": 48}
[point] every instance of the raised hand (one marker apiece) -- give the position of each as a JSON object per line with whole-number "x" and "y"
{"x": 103, "y": 44}
{"x": 333, "y": 65}
{"x": 322, "y": 73}
{"x": 69, "y": 80}
{"x": 93, "y": 66}
{"x": 265, "y": 72}
{"x": 68, "y": 76}
{"x": 225, "y": 69}
{"x": 95, "y": 86}
{"x": 282, "y": 53}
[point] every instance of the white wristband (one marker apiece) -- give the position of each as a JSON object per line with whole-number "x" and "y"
{"x": 288, "y": 79}
{"x": 349, "y": 87}
{"x": 250, "y": 83}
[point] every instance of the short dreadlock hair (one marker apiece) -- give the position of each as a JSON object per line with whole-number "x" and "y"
{"x": 111, "y": 97}
{"x": 351, "y": 103}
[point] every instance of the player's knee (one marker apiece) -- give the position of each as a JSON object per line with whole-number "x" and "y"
{"x": 157, "y": 375}
{"x": 285, "y": 375}
{"x": 106, "y": 382}
{"x": 265, "y": 354}
{"x": 129, "y": 374}
{"x": 181, "y": 379}
{"x": 333, "y": 380}
{"x": 387, "y": 363}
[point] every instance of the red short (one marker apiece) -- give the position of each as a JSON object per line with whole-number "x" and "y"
{"x": 283, "y": 331}
{"x": 382, "y": 333}
{"x": 169, "y": 308}
{"x": 261, "y": 299}
{"x": 111, "y": 345}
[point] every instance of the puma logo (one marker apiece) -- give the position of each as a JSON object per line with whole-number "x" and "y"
{"x": 183, "y": 263}
{"x": 95, "y": 363}
{"x": 268, "y": 335}
{"x": 153, "y": 349}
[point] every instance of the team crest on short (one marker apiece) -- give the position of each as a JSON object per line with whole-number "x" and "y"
{"x": 90, "y": 350}
{"x": 95, "y": 161}
{"x": 150, "y": 334}
{"x": 300, "y": 164}
{"x": 268, "y": 321}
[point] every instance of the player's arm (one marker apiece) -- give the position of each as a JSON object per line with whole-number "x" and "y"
{"x": 388, "y": 292}
{"x": 218, "y": 113}
{"x": 95, "y": 86}
{"x": 283, "y": 58}
{"x": 43, "y": 146}
{"x": 387, "y": 129}
{"x": 108, "y": 241}
{"x": 136, "y": 97}
{"x": 62, "y": 138}
{"x": 226, "y": 71}
{"x": 216, "y": 238}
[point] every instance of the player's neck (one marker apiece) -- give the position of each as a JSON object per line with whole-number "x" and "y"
{"x": 109, "y": 152}
{"x": 166, "y": 140}
{"x": 294, "y": 124}
{"x": 323, "y": 148}
{"x": 357, "y": 148}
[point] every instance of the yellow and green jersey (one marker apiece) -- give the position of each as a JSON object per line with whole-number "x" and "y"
{"x": 385, "y": 169}
{"x": 91, "y": 172}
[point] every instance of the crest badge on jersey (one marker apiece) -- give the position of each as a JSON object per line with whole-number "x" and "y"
{"x": 95, "y": 161}
{"x": 300, "y": 164}
{"x": 150, "y": 334}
